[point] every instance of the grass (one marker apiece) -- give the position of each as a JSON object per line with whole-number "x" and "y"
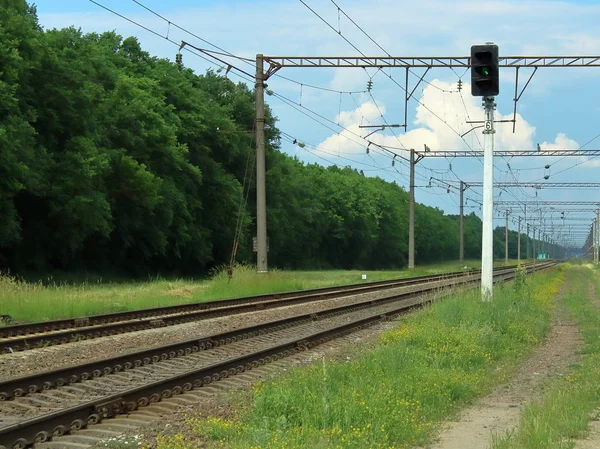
{"x": 394, "y": 396}
{"x": 47, "y": 300}
{"x": 570, "y": 402}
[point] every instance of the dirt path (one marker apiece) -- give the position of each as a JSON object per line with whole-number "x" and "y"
{"x": 499, "y": 412}
{"x": 592, "y": 440}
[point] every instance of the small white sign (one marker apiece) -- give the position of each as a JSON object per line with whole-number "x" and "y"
{"x": 364, "y": 277}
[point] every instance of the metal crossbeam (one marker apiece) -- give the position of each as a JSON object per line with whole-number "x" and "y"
{"x": 275, "y": 63}
{"x": 536, "y": 185}
{"x": 554, "y": 209}
{"x": 547, "y": 203}
{"x": 558, "y": 220}
{"x": 566, "y": 227}
{"x": 429, "y": 62}
{"x": 510, "y": 153}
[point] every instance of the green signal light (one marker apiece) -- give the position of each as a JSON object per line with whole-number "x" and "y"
{"x": 485, "y": 71}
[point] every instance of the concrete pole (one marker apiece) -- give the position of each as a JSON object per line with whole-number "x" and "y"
{"x": 519, "y": 242}
{"x": 594, "y": 244}
{"x": 597, "y": 235}
{"x": 261, "y": 191}
{"x": 506, "y": 240}
{"x": 527, "y": 242}
{"x": 527, "y": 252}
{"x": 533, "y": 247}
{"x": 411, "y": 214}
{"x": 461, "y": 253}
{"x": 487, "y": 240}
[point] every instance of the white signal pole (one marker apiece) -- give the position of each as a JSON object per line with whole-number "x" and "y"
{"x": 487, "y": 244}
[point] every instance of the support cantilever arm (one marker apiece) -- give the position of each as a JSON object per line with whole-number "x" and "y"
{"x": 518, "y": 97}
{"x": 409, "y": 95}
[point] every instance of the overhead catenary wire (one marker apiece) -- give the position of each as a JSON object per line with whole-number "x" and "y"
{"x": 248, "y": 61}
{"x": 228, "y": 53}
{"x": 225, "y": 52}
{"x": 161, "y": 36}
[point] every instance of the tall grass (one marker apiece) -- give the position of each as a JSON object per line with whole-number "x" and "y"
{"x": 46, "y": 300}
{"x": 434, "y": 362}
{"x": 562, "y": 415}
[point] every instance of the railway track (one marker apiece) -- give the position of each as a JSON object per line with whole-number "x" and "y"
{"x": 41, "y": 334}
{"x": 44, "y": 405}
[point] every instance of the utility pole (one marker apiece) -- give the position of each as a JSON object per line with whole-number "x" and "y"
{"x": 597, "y": 234}
{"x": 261, "y": 191}
{"x": 519, "y": 242}
{"x": 487, "y": 244}
{"x": 411, "y": 213}
{"x": 461, "y": 253}
{"x": 506, "y": 239}
{"x": 527, "y": 253}
{"x": 486, "y": 82}
{"x": 533, "y": 248}
{"x": 594, "y": 242}
{"x": 527, "y": 242}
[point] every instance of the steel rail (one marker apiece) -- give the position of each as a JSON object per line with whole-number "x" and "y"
{"x": 43, "y": 428}
{"x": 22, "y": 385}
{"x": 30, "y": 336}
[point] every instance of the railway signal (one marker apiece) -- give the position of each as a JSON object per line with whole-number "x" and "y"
{"x": 485, "y": 70}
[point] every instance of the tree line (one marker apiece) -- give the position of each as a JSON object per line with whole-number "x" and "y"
{"x": 112, "y": 159}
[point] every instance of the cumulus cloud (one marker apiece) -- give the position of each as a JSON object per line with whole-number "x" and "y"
{"x": 441, "y": 117}
{"x": 561, "y": 142}
{"x": 444, "y": 112}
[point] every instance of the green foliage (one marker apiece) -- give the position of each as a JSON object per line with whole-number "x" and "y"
{"x": 112, "y": 161}
{"x": 520, "y": 280}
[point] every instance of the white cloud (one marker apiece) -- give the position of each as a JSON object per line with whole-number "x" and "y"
{"x": 349, "y": 79}
{"x": 441, "y": 116}
{"x": 561, "y": 142}
{"x": 444, "y": 112}
{"x": 368, "y": 111}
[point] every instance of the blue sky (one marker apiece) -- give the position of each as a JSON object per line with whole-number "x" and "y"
{"x": 559, "y": 108}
